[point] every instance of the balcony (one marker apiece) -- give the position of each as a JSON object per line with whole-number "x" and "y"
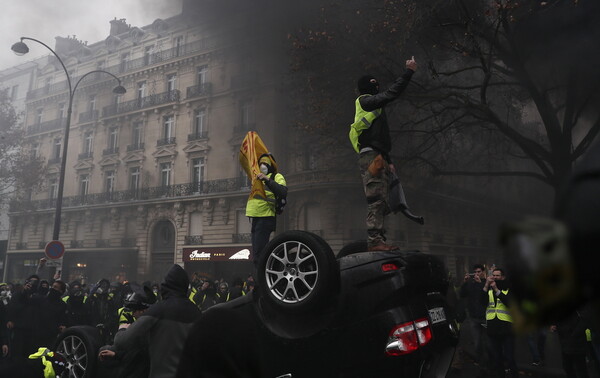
{"x": 141, "y": 103}
{"x": 237, "y": 184}
{"x": 102, "y": 243}
{"x": 85, "y": 155}
{"x": 110, "y": 151}
{"x": 203, "y": 89}
{"x": 197, "y": 136}
{"x": 241, "y": 238}
{"x": 128, "y": 66}
{"x": 55, "y": 124}
{"x": 128, "y": 242}
{"x": 76, "y": 244}
{"x": 165, "y": 141}
{"x": 89, "y": 116}
{"x": 193, "y": 240}
{"x": 135, "y": 147}
{"x": 21, "y": 245}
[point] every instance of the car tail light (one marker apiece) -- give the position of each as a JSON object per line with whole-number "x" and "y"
{"x": 408, "y": 337}
{"x": 388, "y": 267}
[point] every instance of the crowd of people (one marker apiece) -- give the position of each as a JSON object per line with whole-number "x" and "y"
{"x": 35, "y": 313}
{"x": 488, "y": 337}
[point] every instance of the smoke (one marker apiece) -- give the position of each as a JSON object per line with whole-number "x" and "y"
{"x": 87, "y": 20}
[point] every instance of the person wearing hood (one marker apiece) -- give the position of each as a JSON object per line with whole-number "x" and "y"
{"x": 262, "y": 211}
{"x": 370, "y": 138}
{"x": 53, "y": 312}
{"x": 496, "y": 294}
{"x": 103, "y": 309}
{"x": 165, "y": 323}
{"x": 23, "y": 318}
{"x": 77, "y": 308}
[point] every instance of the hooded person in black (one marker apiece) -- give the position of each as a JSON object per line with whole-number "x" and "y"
{"x": 23, "y": 318}
{"x": 164, "y": 323}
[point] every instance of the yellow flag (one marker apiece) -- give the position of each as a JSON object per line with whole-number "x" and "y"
{"x": 250, "y": 151}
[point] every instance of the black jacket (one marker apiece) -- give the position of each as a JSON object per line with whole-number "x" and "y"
{"x": 164, "y": 327}
{"x": 476, "y": 306}
{"x": 378, "y": 135}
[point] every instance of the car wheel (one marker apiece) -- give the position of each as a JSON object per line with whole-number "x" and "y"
{"x": 298, "y": 272}
{"x": 352, "y": 248}
{"x": 79, "y": 345}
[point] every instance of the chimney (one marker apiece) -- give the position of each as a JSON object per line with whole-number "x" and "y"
{"x": 67, "y": 46}
{"x": 118, "y": 26}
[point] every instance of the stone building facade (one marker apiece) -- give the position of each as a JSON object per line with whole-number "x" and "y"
{"x": 153, "y": 176}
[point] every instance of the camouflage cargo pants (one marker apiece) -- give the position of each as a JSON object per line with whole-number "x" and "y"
{"x": 375, "y": 177}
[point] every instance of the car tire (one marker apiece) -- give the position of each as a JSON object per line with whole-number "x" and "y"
{"x": 79, "y": 345}
{"x": 357, "y": 246}
{"x": 298, "y": 272}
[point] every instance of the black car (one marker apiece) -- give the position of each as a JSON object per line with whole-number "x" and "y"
{"x": 364, "y": 314}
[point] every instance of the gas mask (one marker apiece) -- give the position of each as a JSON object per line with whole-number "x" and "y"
{"x": 264, "y": 169}
{"x": 54, "y": 294}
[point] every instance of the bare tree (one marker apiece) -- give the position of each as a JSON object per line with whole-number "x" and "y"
{"x": 513, "y": 88}
{"x": 20, "y": 172}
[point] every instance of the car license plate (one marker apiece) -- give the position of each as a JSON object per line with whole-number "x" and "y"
{"x": 437, "y": 315}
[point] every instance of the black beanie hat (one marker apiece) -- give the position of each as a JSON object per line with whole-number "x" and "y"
{"x": 365, "y": 86}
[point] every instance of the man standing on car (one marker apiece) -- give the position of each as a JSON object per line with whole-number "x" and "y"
{"x": 499, "y": 323}
{"x": 370, "y": 137}
{"x": 262, "y": 210}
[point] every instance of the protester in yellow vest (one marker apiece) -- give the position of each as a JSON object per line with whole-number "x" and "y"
{"x": 370, "y": 138}
{"x": 268, "y": 194}
{"x": 499, "y": 324}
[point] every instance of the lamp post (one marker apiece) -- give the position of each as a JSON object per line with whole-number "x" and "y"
{"x": 20, "y": 48}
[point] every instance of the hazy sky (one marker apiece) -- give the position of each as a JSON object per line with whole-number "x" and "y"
{"x": 86, "y": 19}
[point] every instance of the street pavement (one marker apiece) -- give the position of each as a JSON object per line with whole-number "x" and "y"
{"x": 551, "y": 369}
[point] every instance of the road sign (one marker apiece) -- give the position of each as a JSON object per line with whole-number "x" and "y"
{"x": 55, "y": 249}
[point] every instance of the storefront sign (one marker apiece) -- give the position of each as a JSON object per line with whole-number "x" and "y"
{"x": 216, "y": 254}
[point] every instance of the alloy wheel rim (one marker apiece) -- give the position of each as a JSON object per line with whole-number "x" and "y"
{"x": 292, "y": 272}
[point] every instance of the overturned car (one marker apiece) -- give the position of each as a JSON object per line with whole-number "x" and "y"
{"x": 364, "y": 314}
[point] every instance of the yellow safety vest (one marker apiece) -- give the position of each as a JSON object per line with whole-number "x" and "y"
{"x": 192, "y": 294}
{"x": 497, "y": 309}
{"x": 362, "y": 121}
{"x": 257, "y": 207}
{"x": 48, "y": 368}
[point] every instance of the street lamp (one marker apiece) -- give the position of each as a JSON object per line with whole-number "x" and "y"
{"x": 20, "y": 48}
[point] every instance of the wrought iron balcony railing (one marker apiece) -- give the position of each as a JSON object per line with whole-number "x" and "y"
{"x": 135, "y": 147}
{"x": 165, "y": 141}
{"x": 52, "y": 125}
{"x": 102, "y": 243}
{"x": 110, "y": 151}
{"x": 76, "y": 244}
{"x": 128, "y": 242}
{"x": 141, "y": 103}
{"x": 237, "y": 184}
{"x": 85, "y": 155}
{"x": 193, "y": 240}
{"x": 89, "y": 116}
{"x": 197, "y": 136}
{"x": 203, "y": 89}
